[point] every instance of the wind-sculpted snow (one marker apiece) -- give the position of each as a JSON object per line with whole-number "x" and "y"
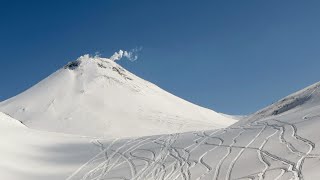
{"x": 272, "y": 148}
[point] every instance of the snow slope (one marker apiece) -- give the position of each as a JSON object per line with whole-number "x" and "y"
{"x": 266, "y": 145}
{"x": 278, "y": 142}
{"x": 27, "y": 154}
{"x": 303, "y": 99}
{"x": 97, "y": 97}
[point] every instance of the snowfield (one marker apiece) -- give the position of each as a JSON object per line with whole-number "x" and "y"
{"x": 279, "y": 142}
{"x": 97, "y": 97}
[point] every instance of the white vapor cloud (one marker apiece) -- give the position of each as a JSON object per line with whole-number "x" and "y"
{"x": 131, "y": 55}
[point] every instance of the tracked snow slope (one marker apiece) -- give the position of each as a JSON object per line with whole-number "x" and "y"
{"x": 281, "y": 142}
{"x": 272, "y": 146}
{"x": 97, "y": 97}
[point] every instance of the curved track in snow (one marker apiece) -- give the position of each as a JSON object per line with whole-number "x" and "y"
{"x": 217, "y": 154}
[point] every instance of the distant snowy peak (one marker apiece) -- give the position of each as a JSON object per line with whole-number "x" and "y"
{"x": 95, "y": 96}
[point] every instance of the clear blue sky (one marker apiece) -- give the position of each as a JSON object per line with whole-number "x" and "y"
{"x": 231, "y": 56}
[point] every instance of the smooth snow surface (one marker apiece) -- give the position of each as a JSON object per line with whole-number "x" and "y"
{"x": 27, "y": 154}
{"x": 97, "y": 97}
{"x": 279, "y": 142}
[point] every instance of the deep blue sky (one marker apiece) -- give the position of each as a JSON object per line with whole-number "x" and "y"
{"x": 231, "y": 56}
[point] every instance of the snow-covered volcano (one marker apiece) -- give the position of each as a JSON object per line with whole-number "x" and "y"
{"x": 95, "y": 96}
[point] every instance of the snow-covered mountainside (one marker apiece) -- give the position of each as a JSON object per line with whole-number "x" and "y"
{"x": 306, "y": 98}
{"x": 96, "y": 97}
{"x": 270, "y": 144}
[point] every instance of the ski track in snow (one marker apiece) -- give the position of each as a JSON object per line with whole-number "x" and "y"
{"x": 177, "y": 157}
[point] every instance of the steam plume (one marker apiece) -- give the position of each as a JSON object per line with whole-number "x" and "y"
{"x": 131, "y": 55}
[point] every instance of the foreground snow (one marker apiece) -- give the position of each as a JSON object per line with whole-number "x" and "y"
{"x": 97, "y": 97}
{"x": 277, "y": 147}
{"x": 278, "y": 142}
{"x": 28, "y": 154}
